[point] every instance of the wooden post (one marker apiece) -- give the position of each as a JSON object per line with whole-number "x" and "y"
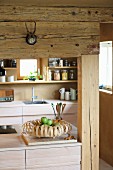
{"x": 90, "y": 112}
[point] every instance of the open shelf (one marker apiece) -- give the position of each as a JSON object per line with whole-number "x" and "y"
{"x": 38, "y": 82}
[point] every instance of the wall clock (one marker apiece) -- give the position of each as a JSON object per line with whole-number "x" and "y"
{"x": 31, "y": 38}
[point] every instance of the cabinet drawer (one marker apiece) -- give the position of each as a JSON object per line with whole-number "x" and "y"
{"x": 10, "y": 111}
{"x": 37, "y": 110}
{"x": 10, "y": 120}
{"x": 70, "y": 167}
{"x": 47, "y": 109}
{"x": 12, "y": 160}
{"x": 51, "y": 157}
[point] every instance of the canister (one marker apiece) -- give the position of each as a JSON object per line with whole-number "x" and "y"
{"x": 56, "y": 75}
{"x": 64, "y": 75}
{"x": 71, "y": 75}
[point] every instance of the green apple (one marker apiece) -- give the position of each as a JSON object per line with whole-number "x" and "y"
{"x": 49, "y": 122}
{"x": 44, "y": 120}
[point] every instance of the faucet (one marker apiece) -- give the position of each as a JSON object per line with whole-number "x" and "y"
{"x": 33, "y": 96}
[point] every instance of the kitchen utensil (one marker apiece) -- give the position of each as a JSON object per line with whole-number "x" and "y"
{"x": 63, "y": 106}
{"x": 58, "y": 111}
{"x": 53, "y": 109}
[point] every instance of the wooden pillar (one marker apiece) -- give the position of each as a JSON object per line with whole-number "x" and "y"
{"x": 89, "y": 112}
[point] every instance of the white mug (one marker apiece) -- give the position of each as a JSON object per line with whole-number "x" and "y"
{"x": 10, "y": 78}
{"x": 62, "y": 90}
{"x": 2, "y": 78}
{"x": 67, "y": 95}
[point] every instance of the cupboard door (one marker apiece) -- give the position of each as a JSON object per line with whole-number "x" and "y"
{"x": 37, "y": 110}
{"x": 10, "y": 111}
{"x": 10, "y": 120}
{"x": 12, "y": 160}
{"x": 70, "y": 167}
{"x": 53, "y": 157}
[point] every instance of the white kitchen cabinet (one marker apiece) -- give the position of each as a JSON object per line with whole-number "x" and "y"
{"x": 59, "y": 158}
{"x": 36, "y": 112}
{"x": 70, "y": 167}
{"x": 10, "y": 115}
{"x": 12, "y": 160}
{"x": 10, "y": 111}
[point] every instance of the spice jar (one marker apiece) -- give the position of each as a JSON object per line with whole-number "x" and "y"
{"x": 56, "y": 75}
{"x": 71, "y": 75}
{"x": 64, "y": 75}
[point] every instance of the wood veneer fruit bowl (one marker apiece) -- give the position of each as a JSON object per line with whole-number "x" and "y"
{"x": 37, "y": 129}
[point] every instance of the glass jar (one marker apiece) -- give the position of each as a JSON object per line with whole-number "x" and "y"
{"x": 64, "y": 75}
{"x": 71, "y": 75}
{"x": 50, "y": 75}
{"x": 56, "y": 75}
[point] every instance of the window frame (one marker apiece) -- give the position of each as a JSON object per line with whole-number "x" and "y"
{"x": 18, "y": 67}
{"x": 108, "y": 88}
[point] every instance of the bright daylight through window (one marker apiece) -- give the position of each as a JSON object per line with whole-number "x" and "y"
{"x": 27, "y": 66}
{"x": 105, "y": 65}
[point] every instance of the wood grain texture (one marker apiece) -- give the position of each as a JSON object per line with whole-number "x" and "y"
{"x": 53, "y": 157}
{"x": 36, "y": 13}
{"x": 48, "y": 48}
{"x": 87, "y": 3}
{"x": 90, "y": 113}
{"x": 54, "y": 39}
{"x": 79, "y": 115}
{"x": 106, "y": 126}
{"x": 48, "y": 30}
{"x": 12, "y": 159}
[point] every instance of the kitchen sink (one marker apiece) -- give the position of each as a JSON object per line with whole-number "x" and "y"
{"x": 35, "y": 102}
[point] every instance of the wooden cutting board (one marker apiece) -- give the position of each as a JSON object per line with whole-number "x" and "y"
{"x": 29, "y": 140}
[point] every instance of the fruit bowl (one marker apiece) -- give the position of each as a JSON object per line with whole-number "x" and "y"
{"x": 39, "y": 129}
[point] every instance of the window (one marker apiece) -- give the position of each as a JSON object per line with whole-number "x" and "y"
{"x": 25, "y": 66}
{"x": 105, "y": 65}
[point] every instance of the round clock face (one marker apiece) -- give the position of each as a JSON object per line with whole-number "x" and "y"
{"x": 31, "y": 39}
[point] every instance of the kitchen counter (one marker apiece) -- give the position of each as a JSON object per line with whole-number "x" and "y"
{"x": 16, "y": 142}
{"x": 21, "y": 103}
{"x": 15, "y": 154}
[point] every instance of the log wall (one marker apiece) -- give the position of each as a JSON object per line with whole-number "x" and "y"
{"x": 61, "y": 31}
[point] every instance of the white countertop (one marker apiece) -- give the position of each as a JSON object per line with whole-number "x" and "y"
{"x": 21, "y": 103}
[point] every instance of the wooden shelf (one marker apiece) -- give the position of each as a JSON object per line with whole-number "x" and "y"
{"x": 38, "y": 82}
{"x": 10, "y": 68}
{"x": 64, "y": 67}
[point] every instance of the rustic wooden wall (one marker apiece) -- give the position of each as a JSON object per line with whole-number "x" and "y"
{"x": 61, "y": 31}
